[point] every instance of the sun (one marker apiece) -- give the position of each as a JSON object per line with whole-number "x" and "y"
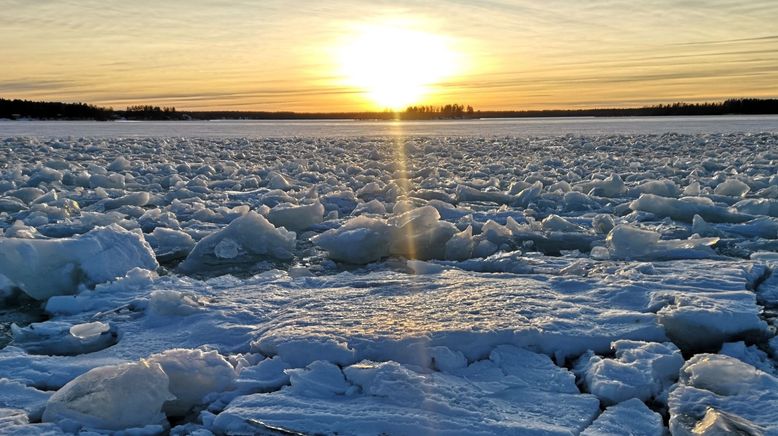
{"x": 395, "y": 66}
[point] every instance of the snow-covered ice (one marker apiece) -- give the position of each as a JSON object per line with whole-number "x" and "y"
{"x": 480, "y": 285}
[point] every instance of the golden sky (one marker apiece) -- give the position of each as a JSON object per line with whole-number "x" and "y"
{"x": 289, "y": 55}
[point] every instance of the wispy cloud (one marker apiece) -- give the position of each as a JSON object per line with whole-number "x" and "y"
{"x": 277, "y": 54}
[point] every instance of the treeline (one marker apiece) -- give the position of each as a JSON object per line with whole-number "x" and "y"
{"x": 148, "y": 112}
{"x": 47, "y": 110}
{"x": 50, "y": 110}
{"x": 24, "y": 109}
{"x": 743, "y": 106}
{"x": 739, "y": 106}
{"x": 439, "y": 112}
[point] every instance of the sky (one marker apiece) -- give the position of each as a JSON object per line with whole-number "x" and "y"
{"x": 289, "y": 55}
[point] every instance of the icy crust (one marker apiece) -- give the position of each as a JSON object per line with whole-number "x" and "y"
{"x": 451, "y": 330}
{"x": 493, "y": 396}
{"x": 719, "y": 394}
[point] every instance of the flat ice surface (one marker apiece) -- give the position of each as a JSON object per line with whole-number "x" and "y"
{"x": 353, "y": 128}
{"x": 383, "y": 285}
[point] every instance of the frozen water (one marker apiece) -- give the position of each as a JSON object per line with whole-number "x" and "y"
{"x": 721, "y": 395}
{"x": 46, "y": 267}
{"x": 321, "y": 285}
{"x": 632, "y": 416}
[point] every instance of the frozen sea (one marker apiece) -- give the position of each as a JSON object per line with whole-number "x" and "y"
{"x": 589, "y": 276}
{"x": 354, "y": 128}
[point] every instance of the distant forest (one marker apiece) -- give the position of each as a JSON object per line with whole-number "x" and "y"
{"x": 24, "y": 109}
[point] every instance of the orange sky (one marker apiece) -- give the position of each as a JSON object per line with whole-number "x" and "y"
{"x": 283, "y": 55}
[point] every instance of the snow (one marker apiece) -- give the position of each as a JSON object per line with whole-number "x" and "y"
{"x": 485, "y": 285}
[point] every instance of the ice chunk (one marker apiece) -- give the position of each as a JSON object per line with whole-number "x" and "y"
{"x": 192, "y": 375}
{"x": 528, "y": 195}
{"x": 663, "y": 188}
{"x": 89, "y": 330}
{"x": 721, "y": 395}
{"x": 62, "y": 338}
{"x": 628, "y": 242}
{"x": 320, "y": 379}
{"x": 758, "y": 206}
{"x": 169, "y": 244}
{"x": 119, "y": 164}
{"x": 266, "y": 376}
{"x": 685, "y": 208}
{"x": 631, "y": 416}
{"x": 603, "y": 223}
{"x": 416, "y": 234}
{"x": 642, "y": 370}
{"x": 692, "y": 190}
{"x": 46, "y": 267}
{"x": 372, "y": 207}
{"x": 278, "y": 181}
{"x": 296, "y": 218}
{"x": 246, "y": 240}
{"x": 555, "y": 223}
{"x": 461, "y": 245}
{"x": 107, "y": 181}
{"x": 612, "y": 186}
{"x": 466, "y": 193}
{"x": 732, "y": 188}
{"x": 113, "y": 397}
{"x": 360, "y": 240}
{"x": 704, "y": 320}
{"x": 576, "y": 201}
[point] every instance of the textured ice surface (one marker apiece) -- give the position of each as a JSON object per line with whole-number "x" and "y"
{"x": 390, "y": 398}
{"x": 721, "y": 395}
{"x": 45, "y": 267}
{"x": 405, "y": 285}
{"x": 639, "y": 370}
{"x": 630, "y": 417}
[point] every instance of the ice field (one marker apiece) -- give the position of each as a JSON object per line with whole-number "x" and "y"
{"x": 589, "y": 284}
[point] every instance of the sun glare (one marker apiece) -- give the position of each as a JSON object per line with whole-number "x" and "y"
{"x": 396, "y": 66}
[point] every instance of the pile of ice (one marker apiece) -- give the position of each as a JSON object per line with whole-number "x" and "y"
{"x": 46, "y": 267}
{"x": 561, "y": 285}
{"x": 245, "y": 241}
